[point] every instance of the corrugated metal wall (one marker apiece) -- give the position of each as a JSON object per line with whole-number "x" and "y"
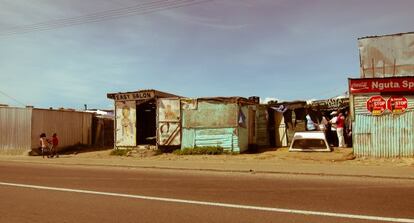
{"x": 280, "y": 130}
{"x": 224, "y": 137}
{"x": 385, "y": 135}
{"x": 211, "y": 115}
{"x": 211, "y": 124}
{"x": 15, "y": 125}
{"x": 71, "y": 127}
{"x": 243, "y": 132}
{"x": 262, "y": 133}
{"x": 387, "y": 56}
{"x": 360, "y": 103}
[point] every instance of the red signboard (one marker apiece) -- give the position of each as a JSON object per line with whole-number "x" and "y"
{"x": 369, "y": 85}
{"x": 376, "y": 105}
{"x": 397, "y": 104}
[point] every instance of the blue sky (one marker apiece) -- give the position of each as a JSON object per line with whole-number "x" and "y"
{"x": 284, "y": 49}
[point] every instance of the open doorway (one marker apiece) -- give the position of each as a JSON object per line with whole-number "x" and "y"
{"x": 146, "y": 123}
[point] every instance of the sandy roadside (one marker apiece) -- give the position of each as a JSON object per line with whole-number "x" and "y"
{"x": 339, "y": 162}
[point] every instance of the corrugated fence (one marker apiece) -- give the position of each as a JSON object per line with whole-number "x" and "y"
{"x": 384, "y": 136}
{"x": 15, "y": 125}
{"x": 71, "y": 127}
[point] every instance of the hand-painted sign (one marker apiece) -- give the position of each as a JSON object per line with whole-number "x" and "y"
{"x": 333, "y": 103}
{"x": 141, "y": 95}
{"x": 125, "y": 123}
{"x": 376, "y": 105}
{"x": 397, "y": 104}
{"x": 370, "y": 85}
{"x": 169, "y": 125}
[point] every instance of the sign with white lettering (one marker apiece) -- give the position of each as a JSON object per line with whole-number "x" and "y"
{"x": 397, "y": 104}
{"x": 333, "y": 103}
{"x": 370, "y": 85}
{"x": 376, "y": 105}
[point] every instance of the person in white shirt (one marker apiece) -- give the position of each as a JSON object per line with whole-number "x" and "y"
{"x": 334, "y": 136}
{"x": 44, "y": 145}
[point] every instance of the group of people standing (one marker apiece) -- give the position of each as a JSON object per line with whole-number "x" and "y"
{"x": 337, "y": 127}
{"x": 48, "y": 147}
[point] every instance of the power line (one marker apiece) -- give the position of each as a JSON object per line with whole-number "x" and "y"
{"x": 100, "y": 16}
{"x": 14, "y": 99}
{"x": 140, "y": 9}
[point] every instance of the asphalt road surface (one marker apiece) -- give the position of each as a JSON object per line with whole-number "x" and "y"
{"x": 55, "y": 193}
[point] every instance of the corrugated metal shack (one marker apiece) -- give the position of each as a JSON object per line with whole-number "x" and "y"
{"x": 20, "y": 128}
{"x": 136, "y": 117}
{"x": 228, "y": 122}
{"x": 285, "y": 119}
{"x": 382, "y": 105}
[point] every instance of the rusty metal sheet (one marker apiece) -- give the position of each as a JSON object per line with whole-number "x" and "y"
{"x": 169, "y": 122}
{"x": 387, "y": 56}
{"x": 211, "y": 115}
{"x": 125, "y": 123}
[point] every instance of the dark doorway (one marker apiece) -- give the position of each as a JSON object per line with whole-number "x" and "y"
{"x": 146, "y": 123}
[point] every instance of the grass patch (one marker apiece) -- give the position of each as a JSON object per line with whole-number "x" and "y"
{"x": 120, "y": 152}
{"x": 205, "y": 150}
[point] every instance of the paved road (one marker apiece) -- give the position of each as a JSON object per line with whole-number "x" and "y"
{"x": 107, "y": 194}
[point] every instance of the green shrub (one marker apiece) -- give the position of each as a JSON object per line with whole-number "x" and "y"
{"x": 120, "y": 152}
{"x": 205, "y": 150}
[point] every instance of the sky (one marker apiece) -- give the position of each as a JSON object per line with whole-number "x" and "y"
{"x": 283, "y": 49}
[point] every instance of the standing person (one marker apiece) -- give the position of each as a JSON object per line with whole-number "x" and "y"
{"x": 348, "y": 130}
{"x": 340, "y": 123}
{"x": 323, "y": 125}
{"x": 55, "y": 143}
{"x": 334, "y": 135}
{"x": 44, "y": 145}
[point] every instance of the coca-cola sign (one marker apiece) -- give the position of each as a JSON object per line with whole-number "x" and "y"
{"x": 376, "y": 105}
{"x": 369, "y": 85}
{"x": 397, "y": 104}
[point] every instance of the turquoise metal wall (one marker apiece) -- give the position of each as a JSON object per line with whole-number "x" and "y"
{"x": 210, "y": 115}
{"x": 224, "y": 137}
{"x": 211, "y": 123}
{"x": 383, "y": 136}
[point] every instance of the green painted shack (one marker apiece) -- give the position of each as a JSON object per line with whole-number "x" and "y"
{"x": 227, "y": 122}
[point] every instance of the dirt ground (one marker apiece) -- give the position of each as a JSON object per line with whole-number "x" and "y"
{"x": 338, "y": 156}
